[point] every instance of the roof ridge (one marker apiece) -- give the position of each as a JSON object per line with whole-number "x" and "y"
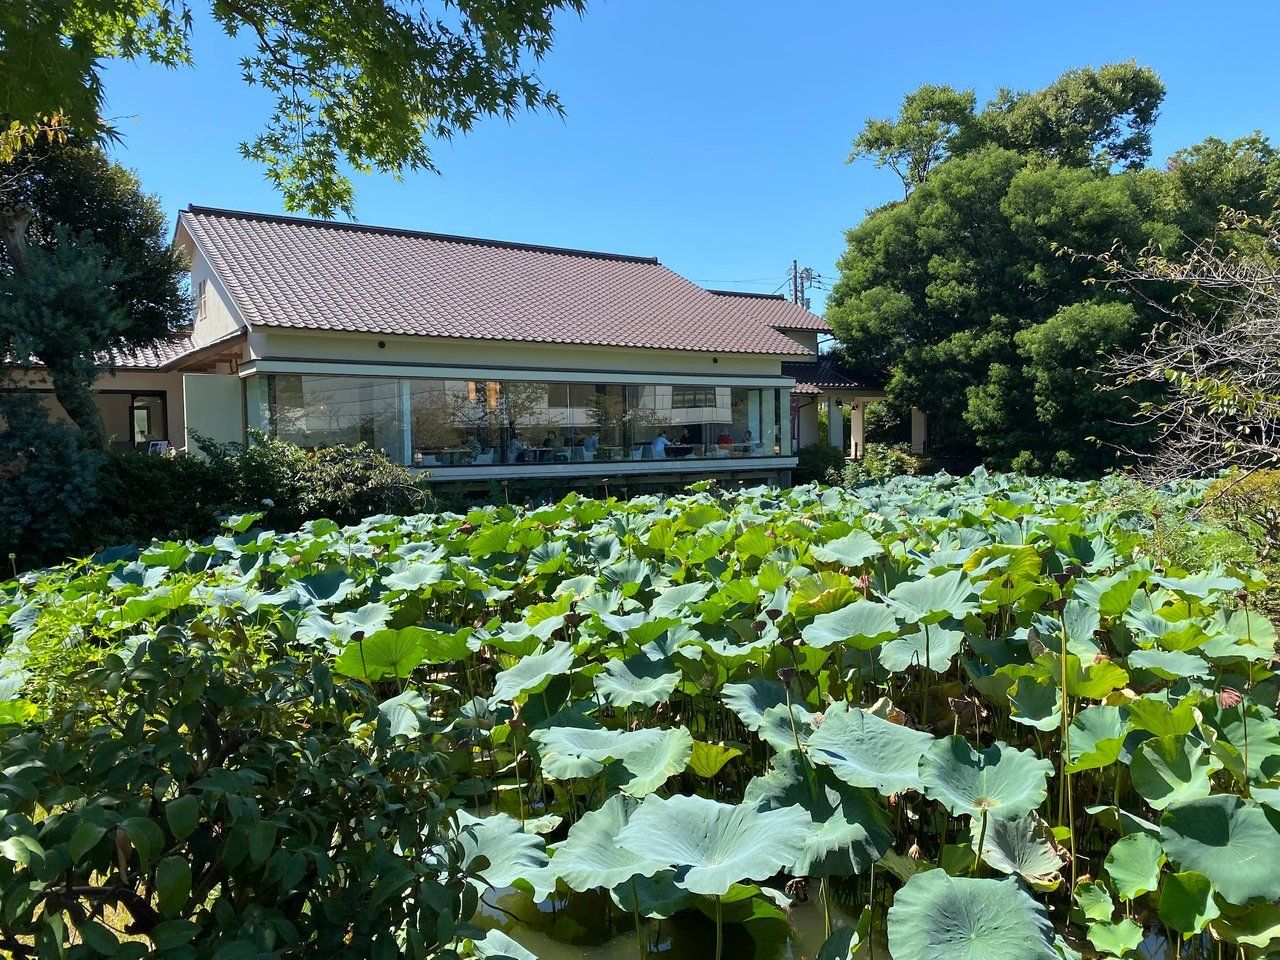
{"x": 197, "y": 209}
{"x": 746, "y": 293}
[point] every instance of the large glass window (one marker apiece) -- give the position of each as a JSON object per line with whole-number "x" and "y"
{"x": 465, "y": 423}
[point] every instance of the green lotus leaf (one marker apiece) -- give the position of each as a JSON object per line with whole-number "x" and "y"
{"x": 863, "y": 624}
{"x": 1081, "y": 622}
{"x": 1258, "y": 926}
{"x": 1156, "y": 716}
{"x": 405, "y": 715}
{"x": 1097, "y": 738}
{"x": 591, "y": 857}
{"x": 1167, "y": 770}
{"x": 415, "y": 576}
{"x": 1186, "y": 902}
{"x": 1263, "y": 739}
{"x": 933, "y": 599}
{"x": 1229, "y": 840}
{"x": 910, "y": 650}
{"x": 865, "y": 750}
{"x": 851, "y": 550}
{"x": 566, "y": 753}
{"x": 367, "y": 620}
{"x": 383, "y": 654}
{"x": 447, "y": 647}
{"x": 1094, "y": 903}
{"x": 1036, "y": 703}
{"x": 714, "y": 845}
{"x": 670, "y": 602}
{"x": 1115, "y": 939}
{"x": 1002, "y": 780}
{"x": 645, "y": 769}
{"x": 850, "y": 829}
{"x": 1111, "y": 595}
{"x": 1024, "y": 847}
{"x": 1200, "y": 586}
{"x": 498, "y": 852}
{"x": 532, "y": 673}
{"x": 1133, "y": 864}
{"x": 751, "y": 699}
{"x": 776, "y": 727}
{"x": 1168, "y": 664}
{"x": 656, "y": 897}
{"x": 844, "y": 943}
{"x": 496, "y": 945}
{"x": 939, "y": 917}
{"x": 824, "y": 592}
{"x": 708, "y": 759}
{"x": 637, "y": 681}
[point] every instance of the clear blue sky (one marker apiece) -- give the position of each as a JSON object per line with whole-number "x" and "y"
{"x": 713, "y": 133}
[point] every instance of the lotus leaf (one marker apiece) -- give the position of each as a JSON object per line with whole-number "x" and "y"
{"x": 637, "y": 681}
{"x": 384, "y": 654}
{"x": 591, "y": 857}
{"x": 865, "y": 750}
{"x": 1133, "y": 864}
{"x": 1116, "y": 939}
{"x": 1005, "y": 782}
{"x": 863, "y": 624}
{"x": 532, "y": 673}
{"x": 714, "y": 845}
{"x": 851, "y": 550}
{"x": 1171, "y": 769}
{"x": 933, "y": 599}
{"x": 780, "y": 727}
{"x": 645, "y": 769}
{"x": 1229, "y": 840}
{"x": 1024, "y": 847}
{"x": 566, "y": 753}
{"x": 850, "y": 829}
{"x": 1186, "y": 902}
{"x": 939, "y": 917}
{"x": 934, "y": 644}
{"x": 708, "y": 759}
{"x": 1036, "y": 703}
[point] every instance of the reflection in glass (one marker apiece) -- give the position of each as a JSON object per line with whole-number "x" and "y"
{"x": 436, "y": 423}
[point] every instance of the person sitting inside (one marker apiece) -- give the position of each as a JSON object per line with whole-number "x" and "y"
{"x": 515, "y": 449}
{"x": 591, "y": 444}
{"x": 660, "y": 443}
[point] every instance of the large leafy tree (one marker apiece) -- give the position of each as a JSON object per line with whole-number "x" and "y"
{"x": 86, "y": 271}
{"x": 363, "y": 88}
{"x": 969, "y": 294}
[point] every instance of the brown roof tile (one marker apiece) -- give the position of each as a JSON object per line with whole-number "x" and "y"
{"x": 825, "y": 373}
{"x": 319, "y": 275}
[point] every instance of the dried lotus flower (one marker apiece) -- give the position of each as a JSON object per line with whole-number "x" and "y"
{"x": 1229, "y": 698}
{"x": 797, "y": 888}
{"x": 787, "y": 674}
{"x": 914, "y": 851}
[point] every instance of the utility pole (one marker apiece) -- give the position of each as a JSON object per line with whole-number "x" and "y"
{"x": 801, "y": 280}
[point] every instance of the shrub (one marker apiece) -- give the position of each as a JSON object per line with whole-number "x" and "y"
{"x": 816, "y": 461}
{"x": 1249, "y": 505}
{"x": 340, "y": 483}
{"x": 217, "y": 801}
{"x": 881, "y": 462}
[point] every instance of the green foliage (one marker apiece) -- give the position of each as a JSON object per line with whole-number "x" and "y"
{"x": 961, "y": 293}
{"x": 683, "y": 702}
{"x": 362, "y": 91}
{"x": 212, "y": 791}
{"x": 881, "y": 462}
{"x": 815, "y": 461}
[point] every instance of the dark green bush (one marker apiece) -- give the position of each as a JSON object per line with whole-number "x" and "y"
{"x": 294, "y": 484}
{"x": 218, "y": 802}
{"x": 815, "y": 462}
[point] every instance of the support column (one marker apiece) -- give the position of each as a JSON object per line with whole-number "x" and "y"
{"x": 919, "y": 430}
{"x": 835, "y": 423}
{"x": 857, "y": 429}
{"x": 768, "y": 437}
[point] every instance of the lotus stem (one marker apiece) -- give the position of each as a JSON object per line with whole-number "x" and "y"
{"x": 1066, "y": 749}
{"x": 826, "y": 909}
{"x": 982, "y": 840}
{"x": 719, "y": 932}
{"x": 635, "y": 913}
{"x": 924, "y": 710}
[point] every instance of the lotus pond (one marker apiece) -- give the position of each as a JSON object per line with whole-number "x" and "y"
{"x": 936, "y": 718}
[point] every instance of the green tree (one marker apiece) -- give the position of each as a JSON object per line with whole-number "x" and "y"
{"x": 86, "y": 270}
{"x": 362, "y": 90}
{"x": 923, "y": 134}
{"x": 965, "y": 295}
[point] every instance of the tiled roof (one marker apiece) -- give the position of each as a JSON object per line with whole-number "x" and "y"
{"x": 166, "y": 354}
{"x": 319, "y": 275}
{"x": 777, "y": 311}
{"x": 826, "y": 373}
